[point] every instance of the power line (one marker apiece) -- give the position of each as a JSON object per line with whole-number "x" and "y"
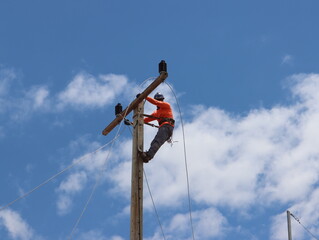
{"x": 92, "y": 193}
{"x": 56, "y": 175}
{"x": 310, "y": 233}
{"x": 97, "y": 181}
{"x": 99, "y": 178}
{"x": 185, "y": 160}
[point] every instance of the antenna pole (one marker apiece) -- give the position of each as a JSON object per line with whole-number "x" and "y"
{"x": 137, "y": 175}
{"x": 289, "y": 225}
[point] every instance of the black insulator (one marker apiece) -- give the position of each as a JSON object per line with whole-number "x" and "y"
{"x": 118, "y": 109}
{"x": 162, "y": 66}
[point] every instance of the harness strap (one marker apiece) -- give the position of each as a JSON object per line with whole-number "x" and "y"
{"x": 170, "y": 120}
{"x": 162, "y": 119}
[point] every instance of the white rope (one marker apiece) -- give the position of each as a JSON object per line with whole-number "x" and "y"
{"x": 186, "y": 165}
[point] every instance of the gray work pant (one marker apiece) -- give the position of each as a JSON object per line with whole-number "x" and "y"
{"x": 163, "y": 134}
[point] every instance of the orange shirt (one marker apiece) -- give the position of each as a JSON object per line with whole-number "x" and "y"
{"x": 164, "y": 111}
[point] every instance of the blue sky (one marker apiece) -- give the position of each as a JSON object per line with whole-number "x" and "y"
{"x": 246, "y": 75}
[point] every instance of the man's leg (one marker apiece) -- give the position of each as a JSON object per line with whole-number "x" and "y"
{"x": 163, "y": 134}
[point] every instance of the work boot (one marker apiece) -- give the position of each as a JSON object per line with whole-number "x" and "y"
{"x": 146, "y": 158}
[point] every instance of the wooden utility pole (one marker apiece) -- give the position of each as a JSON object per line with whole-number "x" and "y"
{"x": 289, "y": 225}
{"x": 137, "y": 175}
{"x": 137, "y": 105}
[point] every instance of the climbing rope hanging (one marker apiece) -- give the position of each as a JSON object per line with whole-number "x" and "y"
{"x": 185, "y": 161}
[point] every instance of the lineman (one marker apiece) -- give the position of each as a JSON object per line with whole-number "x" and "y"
{"x": 164, "y": 115}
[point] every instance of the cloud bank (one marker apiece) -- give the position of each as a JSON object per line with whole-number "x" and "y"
{"x": 17, "y": 228}
{"x": 267, "y": 158}
{"x": 84, "y": 91}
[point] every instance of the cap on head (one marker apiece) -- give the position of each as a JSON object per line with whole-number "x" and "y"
{"x": 158, "y": 96}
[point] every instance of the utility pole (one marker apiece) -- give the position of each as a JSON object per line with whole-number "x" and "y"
{"x": 289, "y": 225}
{"x": 136, "y": 223}
{"x": 137, "y": 175}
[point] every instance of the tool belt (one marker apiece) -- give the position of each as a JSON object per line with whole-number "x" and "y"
{"x": 169, "y": 120}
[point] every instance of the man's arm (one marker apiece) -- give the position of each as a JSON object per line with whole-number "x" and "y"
{"x": 149, "y": 119}
{"x": 157, "y": 103}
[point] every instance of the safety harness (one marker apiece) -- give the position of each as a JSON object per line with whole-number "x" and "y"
{"x": 170, "y": 120}
{"x": 162, "y": 119}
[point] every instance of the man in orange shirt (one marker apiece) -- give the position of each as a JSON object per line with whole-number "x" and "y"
{"x": 164, "y": 115}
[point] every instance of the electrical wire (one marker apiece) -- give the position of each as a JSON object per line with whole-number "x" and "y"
{"x": 56, "y": 175}
{"x": 97, "y": 181}
{"x": 185, "y": 160}
{"x": 146, "y": 80}
{"x": 310, "y": 233}
{"x": 100, "y": 175}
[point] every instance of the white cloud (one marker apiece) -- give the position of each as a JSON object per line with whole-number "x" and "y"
{"x": 74, "y": 182}
{"x": 2, "y": 134}
{"x": 117, "y": 238}
{"x": 64, "y": 204}
{"x": 88, "y": 91}
{"x": 72, "y": 185}
{"x": 34, "y": 100}
{"x": 89, "y": 169}
{"x": 38, "y": 96}
{"x": 279, "y": 229}
{"x": 83, "y": 91}
{"x": 287, "y": 59}
{"x": 97, "y": 235}
{"x": 208, "y": 223}
{"x": 17, "y": 227}
{"x": 306, "y": 212}
{"x": 6, "y": 78}
{"x": 268, "y": 156}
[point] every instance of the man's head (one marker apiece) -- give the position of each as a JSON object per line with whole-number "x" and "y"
{"x": 159, "y": 97}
